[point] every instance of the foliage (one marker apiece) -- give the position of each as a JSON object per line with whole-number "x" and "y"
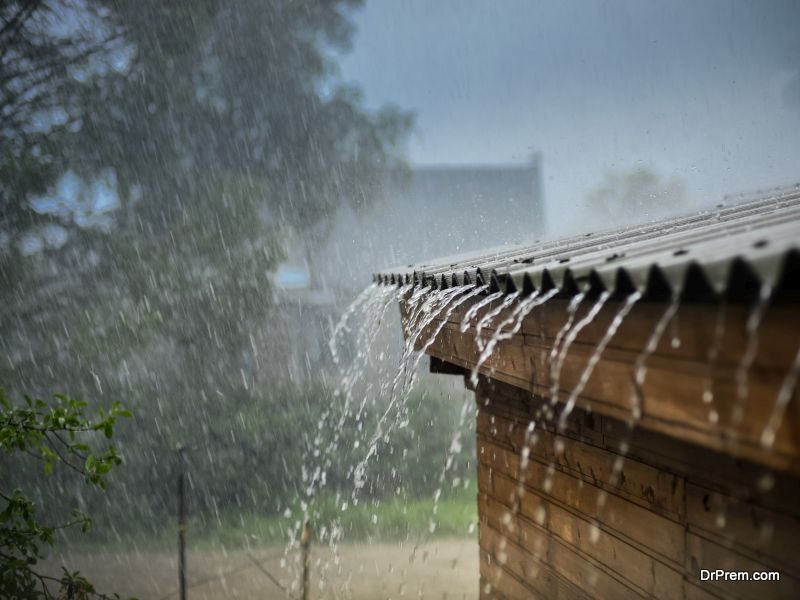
{"x": 56, "y": 435}
{"x": 49, "y": 50}
{"x": 393, "y": 518}
{"x": 218, "y": 129}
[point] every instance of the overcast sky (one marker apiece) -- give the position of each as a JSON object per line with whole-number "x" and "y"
{"x": 701, "y": 90}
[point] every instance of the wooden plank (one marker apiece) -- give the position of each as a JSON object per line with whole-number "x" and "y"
{"x": 651, "y": 547}
{"x": 630, "y": 521}
{"x": 694, "y": 327}
{"x": 765, "y": 535}
{"x": 502, "y": 579}
{"x": 498, "y": 516}
{"x": 629, "y": 563}
{"x": 485, "y": 483}
{"x": 672, "y": 393}
{"x": 692, "y": 591}
{"x": 504, "y": 560}
{"x": 658, "y": 490}
{"x": 580, "y": 570}
{"x": 672, "y": 402}
{"x": 719, "y": 471}
{"x": 706, "y": 554}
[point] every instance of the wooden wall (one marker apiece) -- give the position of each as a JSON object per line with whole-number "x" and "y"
{"x": 677, "y": 374}
{"x": 564, "y": 527}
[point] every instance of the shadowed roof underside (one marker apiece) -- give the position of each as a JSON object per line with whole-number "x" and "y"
{"x": 731, "y": 251}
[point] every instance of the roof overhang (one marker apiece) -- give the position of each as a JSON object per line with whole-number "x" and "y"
{"x": 713, "y": 265}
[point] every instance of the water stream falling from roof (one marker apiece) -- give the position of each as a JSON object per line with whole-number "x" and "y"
{"x": 487, "y": 319}
{"x": 712, "y": 358}
{"x": 594, "y": 358}
{"x": 555, "y": 371}
{"x": 432, "y": 307}
{"x": 788, "y": 386}
{"x": 469, "y": 292}
{"x": 474, "y": 309}
{"x": 437, "y": 303}
{"x": 515, "y": 319}
{"x": 452, "y": 451}
{"x": 751, "y": 350}
{"x": 341, "y": 326}
{"x": 640, "y": 364}
{"x": 497, "y": 317}
{"x": 570, "y": 337}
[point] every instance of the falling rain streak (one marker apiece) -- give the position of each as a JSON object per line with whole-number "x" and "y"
{"x": 191, "y": 198}
{"x": 597, "y": 352}
{"x": 496, "y": 317}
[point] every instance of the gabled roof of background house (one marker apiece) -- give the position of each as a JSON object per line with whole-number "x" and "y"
{"x": 437, "y": 210}
{"x": 731, "y": 250}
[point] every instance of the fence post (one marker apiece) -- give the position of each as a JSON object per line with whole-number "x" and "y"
{"x": 181, "y": 525}
{"x": 305, "y": 545}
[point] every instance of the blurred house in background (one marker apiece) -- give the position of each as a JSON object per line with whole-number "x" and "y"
{"x": 439, "y": 210}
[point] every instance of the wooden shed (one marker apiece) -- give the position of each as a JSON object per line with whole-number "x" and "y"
{"x": 638, "y": 429}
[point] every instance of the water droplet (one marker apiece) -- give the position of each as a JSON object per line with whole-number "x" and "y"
{"x": 594, "y": 533}
{"x": 766, "y": 482}
{"x": 766, "y": 531}
{"x": 559, "y": 447}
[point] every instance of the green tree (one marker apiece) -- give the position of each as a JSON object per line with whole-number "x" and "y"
{"x": 56, "y": 435}
{"x": 49, "y": 49}
{"x": 216, "y": 128}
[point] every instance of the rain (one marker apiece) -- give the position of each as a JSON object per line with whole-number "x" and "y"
{"x": 367, "y": 299}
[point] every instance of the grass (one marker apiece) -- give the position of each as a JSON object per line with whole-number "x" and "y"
{"x": 380, "y": 520}
{"x": 369, "y": 520}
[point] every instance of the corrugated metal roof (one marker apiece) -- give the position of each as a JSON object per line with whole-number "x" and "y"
{"x": 731, "y": 251}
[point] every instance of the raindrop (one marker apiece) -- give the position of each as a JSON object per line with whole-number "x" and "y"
{"x": 594, "y": 533}
{"x": 750, "y": 352}
{"x": 785, "y": 393}
{"x": 766, "y": 482}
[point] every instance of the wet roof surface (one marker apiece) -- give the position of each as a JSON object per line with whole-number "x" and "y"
{"x": 730, "y": 251}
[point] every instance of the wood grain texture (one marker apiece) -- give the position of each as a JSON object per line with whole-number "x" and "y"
{"x": 561, "y": 524}
{"x": 679, "y": 370}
